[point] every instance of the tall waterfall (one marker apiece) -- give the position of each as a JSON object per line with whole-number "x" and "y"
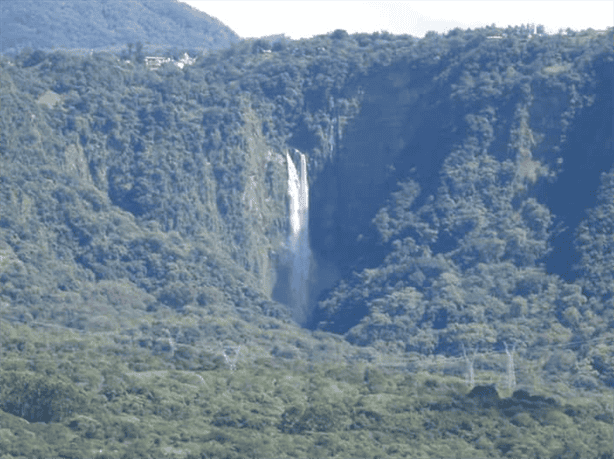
{"x": 298, "y": 191}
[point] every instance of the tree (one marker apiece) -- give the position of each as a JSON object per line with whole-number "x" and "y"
{"x": 139, "y": 56}
{"x": 39, "y": 398}
{"x": 339, "y": 34}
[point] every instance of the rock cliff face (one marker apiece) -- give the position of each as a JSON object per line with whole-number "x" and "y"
{"x": 405, "y": 128}
{"x": 586, "y": 153}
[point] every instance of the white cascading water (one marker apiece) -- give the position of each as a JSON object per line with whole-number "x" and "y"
{"x": 298, "y": 191}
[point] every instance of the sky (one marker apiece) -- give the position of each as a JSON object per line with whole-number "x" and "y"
{"x": 304, "y": 19}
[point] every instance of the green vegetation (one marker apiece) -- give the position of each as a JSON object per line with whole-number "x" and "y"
{"x": 98, "y": 24}
{"x": 93, "y": 395}
{"x": 144, "y": 214}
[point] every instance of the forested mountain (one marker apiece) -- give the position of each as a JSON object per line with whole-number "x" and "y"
{"x": 460, "y": 224}
{"x": 101, "y": 24}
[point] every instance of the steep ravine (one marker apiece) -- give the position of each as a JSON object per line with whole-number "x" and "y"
{"x": 405, "y": 128}
{"x": 587, "y": 153}
{"x": 405, "y": 131}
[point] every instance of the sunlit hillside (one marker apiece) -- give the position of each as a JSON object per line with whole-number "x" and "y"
{"x": 358, "y": 245}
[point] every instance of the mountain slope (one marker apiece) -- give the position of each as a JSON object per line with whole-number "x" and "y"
{"x": 430, "y": 167}
{"x": 95, "y": 24}
{"x": 144, "y": 219}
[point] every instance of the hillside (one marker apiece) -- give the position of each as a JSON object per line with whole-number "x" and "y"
{"x": 460, "y": 218}
{"x": 108, "y": 24}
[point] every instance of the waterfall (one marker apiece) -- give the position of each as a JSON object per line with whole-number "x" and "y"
{"x": 300, "y": 253}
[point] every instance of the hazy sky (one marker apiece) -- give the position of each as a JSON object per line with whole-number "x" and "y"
{"x": 303, "y": 19}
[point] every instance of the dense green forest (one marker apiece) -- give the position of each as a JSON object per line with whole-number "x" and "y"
{"x": 461, "y": 223}
{"x": 92, "y": 25}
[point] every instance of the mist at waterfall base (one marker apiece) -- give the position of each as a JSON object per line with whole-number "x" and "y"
{"x": 296, "y": 262}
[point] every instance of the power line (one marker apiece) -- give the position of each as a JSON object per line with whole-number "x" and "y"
{"x": 391, "y": 360}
